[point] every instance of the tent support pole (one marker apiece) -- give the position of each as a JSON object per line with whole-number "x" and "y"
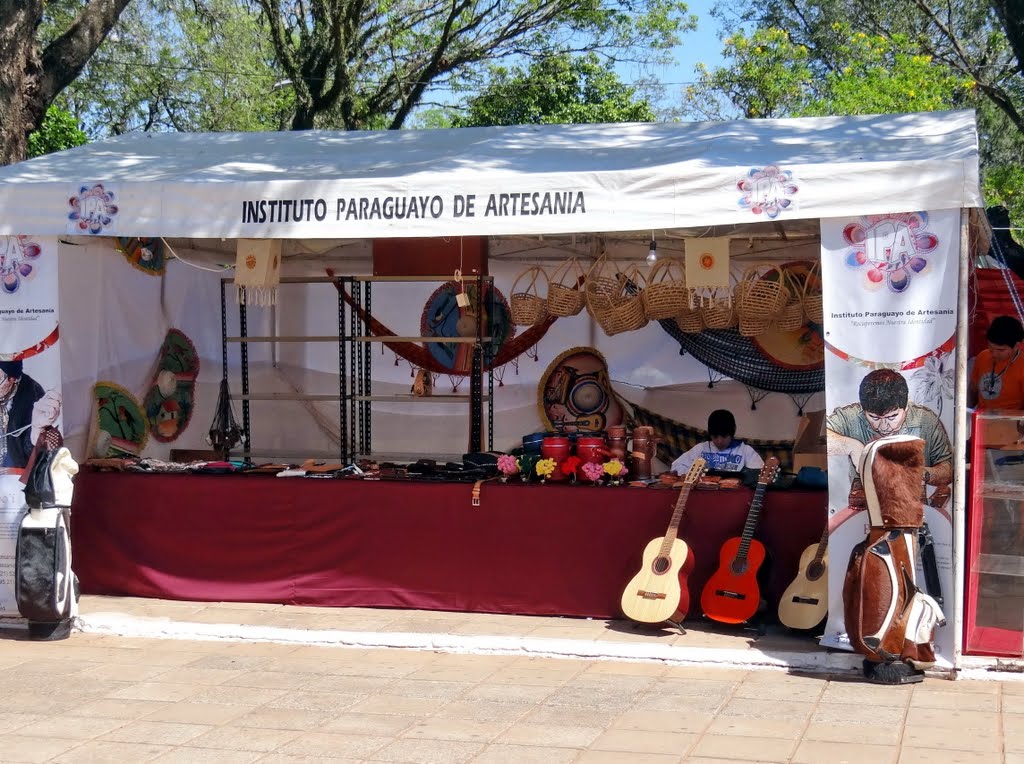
{"x": 960, "y": 442}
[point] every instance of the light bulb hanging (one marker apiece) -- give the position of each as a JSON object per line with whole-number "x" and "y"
{"x": 652, "y": 253}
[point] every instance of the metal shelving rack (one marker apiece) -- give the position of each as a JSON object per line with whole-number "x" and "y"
{"x": 355, "y": 391}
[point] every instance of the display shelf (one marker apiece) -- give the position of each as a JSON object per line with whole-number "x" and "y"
{"x": 285, "y": 338}
{"x": 445, "y": 340}
{"x": 409, "y": 398}
{"x": 289, "y": 397}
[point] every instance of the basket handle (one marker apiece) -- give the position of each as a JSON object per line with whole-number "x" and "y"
{"x": 663, "y": 268}
{"x": 573, "y": 264}
{"x": 533, "y": 272}
{"x": 813, "y": 274}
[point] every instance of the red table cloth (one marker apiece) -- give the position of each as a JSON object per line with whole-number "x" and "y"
{"x": 531, "y": 549}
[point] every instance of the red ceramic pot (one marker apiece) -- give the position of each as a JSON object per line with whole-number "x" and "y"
{"x": 591, "y": 449}
{"x": 556, "y": 447}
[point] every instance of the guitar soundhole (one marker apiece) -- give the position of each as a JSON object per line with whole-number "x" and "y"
{"x": 661, "y": 565}
{"x": 738, "y": 567}
{"x": 815, "y": 571}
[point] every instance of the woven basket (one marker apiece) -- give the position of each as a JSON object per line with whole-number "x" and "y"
{"x": 609, "y": 299}
{"x": 792, "y": 316}
{"x": 812, "y": 295}
{"x": 761, "y": 294}
{"x": 566, "y": 299}
{"x": 666, "y": 295}
{"x": 718, "y": 309}
{"x": 526, "y": 306}
{"x": 690, "y": 322}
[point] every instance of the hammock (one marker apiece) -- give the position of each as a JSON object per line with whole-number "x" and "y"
{"x": 421, "y": 357}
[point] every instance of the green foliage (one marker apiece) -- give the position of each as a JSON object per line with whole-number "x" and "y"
{"x": 554, "y": 90}
{"x": 1005, "y": 186}
{"x": 59, "y": 131}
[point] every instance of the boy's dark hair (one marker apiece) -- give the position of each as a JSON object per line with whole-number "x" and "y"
{"x": 883, "y": 390}
{"x": 721, "y": 422}
{"x": 1005, "y": 330}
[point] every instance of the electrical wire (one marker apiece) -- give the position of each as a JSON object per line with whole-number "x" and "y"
{"x": 176, "y": 256}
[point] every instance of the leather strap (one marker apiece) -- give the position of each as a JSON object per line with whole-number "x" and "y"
{"x": 476, "y": 492}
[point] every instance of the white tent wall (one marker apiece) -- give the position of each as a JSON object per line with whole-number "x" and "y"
{"x": 113, "y": 330}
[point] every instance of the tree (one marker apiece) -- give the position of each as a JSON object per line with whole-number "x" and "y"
{"x": 363, "y": 65}
{"x": 554, "y": 90}
{"x": 59, "y": 131}
{"x": 183, "y": 66}
{"x": 35, "y": 69}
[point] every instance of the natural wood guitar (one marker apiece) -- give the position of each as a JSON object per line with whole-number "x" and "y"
{"x": 732, "y": 594}
{"x": 805, "y": 602}
{"x": 659, "y": 591}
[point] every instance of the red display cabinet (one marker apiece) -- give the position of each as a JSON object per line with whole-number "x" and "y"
{"x": 994, "y": 616}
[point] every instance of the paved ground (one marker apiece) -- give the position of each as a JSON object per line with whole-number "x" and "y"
{"x": 107, "y": 698}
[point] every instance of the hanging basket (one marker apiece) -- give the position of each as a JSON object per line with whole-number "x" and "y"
{"x": 754, "y": 327}
{"x": 792, "y": 316}
{"x": 666, "y": 295}
{"x": 566, "y": 299}
{"x": 690, "y": 322}
{"x": 761, "y": 294}
{"x": 812, "y": 301}
{"x": 526, "y": 306}
{"x": 614, "y": 305}
{"x": 717, "y": 309}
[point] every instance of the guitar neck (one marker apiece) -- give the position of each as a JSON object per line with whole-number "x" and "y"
{"x": 753, "y": 515}
{"x": 822, "y": 546}
{"x": 677, "y": 516}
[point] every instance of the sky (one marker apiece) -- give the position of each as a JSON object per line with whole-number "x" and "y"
{"x": 699, "y": 46}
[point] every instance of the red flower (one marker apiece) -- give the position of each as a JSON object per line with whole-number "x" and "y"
{"x": 570, "y": 465}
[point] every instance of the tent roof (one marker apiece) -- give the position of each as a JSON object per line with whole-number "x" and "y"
{"x": 523, "y": 180}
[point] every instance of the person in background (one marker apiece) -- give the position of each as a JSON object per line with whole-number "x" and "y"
{"x": 721, "y": 451}
{"x": 25, "y": 408}
{"x": 997, "y": 376}
{"x": 885, "y": 409}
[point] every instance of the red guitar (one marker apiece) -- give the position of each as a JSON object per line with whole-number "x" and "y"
{"x": 732, "y": 595}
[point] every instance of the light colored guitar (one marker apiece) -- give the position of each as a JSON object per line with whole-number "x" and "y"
{"x": 805, "y": 601}
{"x": 659, "y": 592}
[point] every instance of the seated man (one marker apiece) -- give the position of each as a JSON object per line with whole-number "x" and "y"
{"x": 997, "y": 376}
{"x": 721, "y": 451}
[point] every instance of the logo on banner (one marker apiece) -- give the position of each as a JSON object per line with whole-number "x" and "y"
{"x": 17, "y": 261}
{"x": 767, "y": 190}
{"x": 92, "y": 210}
{"x": 891, "y": 248}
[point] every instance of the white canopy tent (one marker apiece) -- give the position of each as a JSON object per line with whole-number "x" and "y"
{"x": 554, "y": 178}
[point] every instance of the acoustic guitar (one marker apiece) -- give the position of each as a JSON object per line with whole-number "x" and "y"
{"x": 732, "y": 594}
{"x": 805, "y": 601}
{"x": 659, "y": 592}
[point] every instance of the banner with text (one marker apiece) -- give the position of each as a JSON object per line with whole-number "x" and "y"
{"x": 30, "y": 387}
{"x": 890, "y": 300}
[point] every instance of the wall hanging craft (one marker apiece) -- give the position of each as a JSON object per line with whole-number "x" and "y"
{"x": 171, "y": 397}
{"x": 443, "y": 317}
{"x": 575, "y": 393}
{"x": 145, "y": 254}
{"x": 796, "y": 343}
{"x": 119, "y": 426}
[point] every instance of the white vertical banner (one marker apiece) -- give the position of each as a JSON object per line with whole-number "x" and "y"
{"x": 30, "y": 379}
{"x": 890, "y": 304}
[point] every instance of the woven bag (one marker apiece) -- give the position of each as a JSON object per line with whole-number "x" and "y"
{"x": 812, "y": 295}
{"x": 718, "y": 312}
{"x": 526, "y": 306}
{"x": 690, "y": 322}
{"x": 613, "y": 304}
{"x": 792, "y": 316}
{"x": 666, "y": 295}
{"x": 566, "y": 299}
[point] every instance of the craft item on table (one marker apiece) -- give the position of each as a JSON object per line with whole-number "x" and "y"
{"x": 593, "y": 471}
{"x": 527, "y": 465}
{"x": 423, "y": 384}
{"x": 729, "y": 484}
{"x": 556, "y": 448}
{"x": 120, "y": 427}
{"x": 508, "y": 465}
{"x": 145, "y": 254}
{"x": 615, "y": 470}
{"x": 19, "y": 257}
{"x": 575, "y": 393}
{"x": 592, "y": 448}
{"x": 171, "y": 398}
{"x": 257, "y": 271}
{"x": 545, "y": 468}
{"x": 706, "y": 483}
{"x": 570, "y": 467}
{"x": 659, "y": 592}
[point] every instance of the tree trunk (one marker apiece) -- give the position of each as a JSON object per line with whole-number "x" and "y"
{"x": 20, "y": 69}
{"x": 1011, "y": 13}
{"x": 30, "y": 79}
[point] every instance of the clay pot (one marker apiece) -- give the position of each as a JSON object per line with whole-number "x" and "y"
{"x": 590, "y": 448}
{"x": 557, "y": 447}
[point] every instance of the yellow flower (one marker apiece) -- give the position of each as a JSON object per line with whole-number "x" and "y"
{"x": 613, "y": 468}
{"x": 545, "y": 467}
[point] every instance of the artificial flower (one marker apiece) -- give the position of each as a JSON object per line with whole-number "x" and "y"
{"x": 570, "y": 465}
{"x": 593, "y": 471}
{"x": 614, "y": 467}
{"x": 507, "y": 464}
{"x": 545, "y": 467}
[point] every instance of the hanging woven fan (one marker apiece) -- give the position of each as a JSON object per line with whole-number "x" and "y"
{"x": 225, "y": 432}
